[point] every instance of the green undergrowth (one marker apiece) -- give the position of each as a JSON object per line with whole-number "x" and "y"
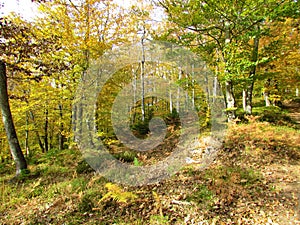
{"x": 273, "y": 114}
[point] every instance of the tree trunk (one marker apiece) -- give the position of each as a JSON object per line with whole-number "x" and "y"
{"x": 61, "y": 129}
{"x": 133, "y": 110}
{"x": 170, "y": 100}
{"x": 193, "y": 86}
{"x": 178, "y": 92}
{"x": 46, "y": 147}
{"x": 13, "y": 141}
{"x": 230, "y": 100}
{"x": 143, "y": 75}
{"x": 244, "y": 99}
{"x": 248, "y": 98}
{"x": 250, "y": 83}
{"x": 36, "y": 132}
{"x": 266, "y": 92}
{"x": 267, "y": 99}
{"x": 27, "y": 135}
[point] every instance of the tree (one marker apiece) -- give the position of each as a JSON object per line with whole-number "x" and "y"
{"x": 46, "y": 59}
{"x": 281, "y": 76}
{"x": 9, "y": 124}
{"x": 228, "y": 32}
{"x": 22, "y": 50}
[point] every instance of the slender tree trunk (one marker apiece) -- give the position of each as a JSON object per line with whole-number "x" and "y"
{"x": 297, "y": 92}
{"x": 266, "y": 92}
{"x": 230, "y": 100}
{"x": 46, "y": 147}
{"x": 143, "y": 75}
{"x": 244, "y": 99}
{"x": 73, "y": 121}
{"x": 248, "y": 98}
{"x": 27, "y": 135}
{"x": 61, "y": 129}
{"x": 178, "y": 92}
{"x": 193, "y": 85}
{"x": 50, "y": 135}
{"x": 170, "y": 100}
{"x": 267, "y": 99}
{"x": 134, "y": 95}
{"x": 193, "y": 96}
{"x": 12, "y": 138}
{"x": 37, "y": 133}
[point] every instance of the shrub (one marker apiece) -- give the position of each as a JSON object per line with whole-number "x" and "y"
{"x": 126, "y": 156}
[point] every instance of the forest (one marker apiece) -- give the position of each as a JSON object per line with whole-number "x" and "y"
{"x": 150, "y": 112}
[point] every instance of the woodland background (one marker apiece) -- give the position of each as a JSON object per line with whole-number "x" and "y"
{"x": 251, "y": 48}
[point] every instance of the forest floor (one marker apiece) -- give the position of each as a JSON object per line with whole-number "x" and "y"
{"x": 294, "y": 109}
{"x": 254, "y": 180}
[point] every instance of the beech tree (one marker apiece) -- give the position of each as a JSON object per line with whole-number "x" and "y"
{"x": 9, "y": 124}
{"x": 21, "y": 53}
{"x": 228, "y": 32}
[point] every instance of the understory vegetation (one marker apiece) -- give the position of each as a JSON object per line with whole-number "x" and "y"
{"x": 254, "y": 180}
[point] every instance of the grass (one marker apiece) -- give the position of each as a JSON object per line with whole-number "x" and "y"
{"x": 202, "y": 196}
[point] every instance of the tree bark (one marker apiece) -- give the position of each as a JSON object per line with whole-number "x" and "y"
{"x": 267, "y": 99}
{"x": 178, "y": 92}
{"x": 27, "y": 135}
{"x": 171, "y": 101}
{"x": 46, "y": 147}
{"x": 143, "y": 75}
{"x": 248, "y": 97}
{"x": 134, "y": 95}
{"x": 9, "y": 126}
{"x": 230, "y": 100}
{"x": 244, "y": 99}
{"x": 61, "y": 129}
{"x": 266, "y": 93}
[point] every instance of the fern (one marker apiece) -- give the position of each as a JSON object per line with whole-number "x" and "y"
{"x": 117, "y": 194}
{"x": 136, "y": 162}
{"x": 158, "y": 203}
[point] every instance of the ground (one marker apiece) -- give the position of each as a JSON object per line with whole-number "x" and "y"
{"x": 294, "y": 109}
{"x": 255, "y": 179}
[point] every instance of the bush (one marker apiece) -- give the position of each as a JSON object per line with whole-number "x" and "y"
{"x": 126, "y": 156}
{"x": 273, "y": 115}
